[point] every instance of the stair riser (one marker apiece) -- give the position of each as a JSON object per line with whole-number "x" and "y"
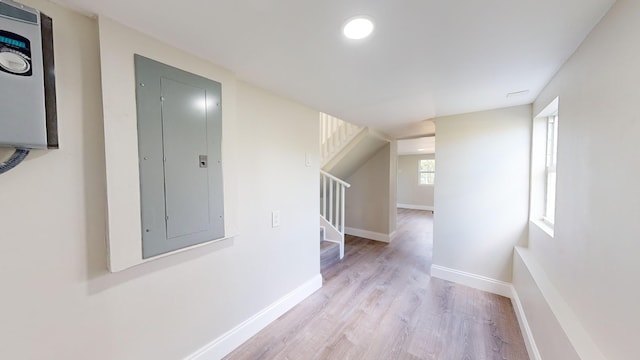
{"x": 329, "y": 256}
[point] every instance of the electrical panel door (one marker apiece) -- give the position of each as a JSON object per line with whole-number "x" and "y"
{"x": 184, "y": 120}
{"x": 179, "y": 137}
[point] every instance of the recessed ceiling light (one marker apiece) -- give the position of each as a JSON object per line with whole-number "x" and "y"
{"x": 422, "y": 149}
{"x": 358, "y": 27}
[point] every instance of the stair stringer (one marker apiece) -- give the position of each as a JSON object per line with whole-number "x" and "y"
{"x": 330, "y": 232}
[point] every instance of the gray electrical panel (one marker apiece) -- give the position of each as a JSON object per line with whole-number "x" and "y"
{"x": 27, "y": 79}
{"x": 180, "y": 157}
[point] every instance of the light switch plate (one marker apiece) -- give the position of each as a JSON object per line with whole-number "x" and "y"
{"x": 275, "y": 218}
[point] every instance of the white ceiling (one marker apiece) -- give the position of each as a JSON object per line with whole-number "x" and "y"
{"x": 426, "y": 58}
{"x": 422, "y": 145}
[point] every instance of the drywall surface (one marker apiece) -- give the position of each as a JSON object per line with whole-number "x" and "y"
{"x": 593, "y": 257}
{"x": 367, "y": 205}
{"x": 482, "y": 191}
{"x": 550, "y": 339}
{"x": 410, "y": 192}
{"x": 60, "y": 302}
{"x": 118, "y": 44}
{"x": 393, "y": 188}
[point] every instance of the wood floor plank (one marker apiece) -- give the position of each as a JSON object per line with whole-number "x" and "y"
{"x": 380, "y": 302}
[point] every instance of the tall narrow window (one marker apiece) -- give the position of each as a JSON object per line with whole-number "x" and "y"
{"x": 551, "y": 161}
{"x": 426, "y": 172}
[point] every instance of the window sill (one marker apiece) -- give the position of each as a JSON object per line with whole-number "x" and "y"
{"x": 543, "y": 226}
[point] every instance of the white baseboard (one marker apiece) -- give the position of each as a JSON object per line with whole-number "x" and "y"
{"x": 370, "y": 234}
{"x": 415, "y": 207}
{"x": 225, "y": 344}
{"x": 472, "y": 280}
{"x": 525, "y": 329}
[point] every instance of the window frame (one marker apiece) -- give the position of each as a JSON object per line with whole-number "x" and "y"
{"x": 551, "y": 166}
{"x": 420, "y": 172}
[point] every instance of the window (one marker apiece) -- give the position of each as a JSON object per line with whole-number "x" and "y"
{"x": 544, "y": 158}
{"x": 426, "y": 172}
{"x": 550, "y": 165}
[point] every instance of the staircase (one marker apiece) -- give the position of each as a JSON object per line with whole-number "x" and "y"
{"x": 329, "y": 252}
{"x": 332, "y": 204}
{"x": 344, "y": 147}
{"x": 335, "y": 135}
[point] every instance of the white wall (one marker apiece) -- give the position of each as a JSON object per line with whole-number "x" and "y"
{"x": 369, "y": 205}
{"x": 410, "y": 192}
{"x": 58, "y": 299}
{"x": 592, "y": 260}
{"x": 551, "y": 342}
{"x": 482, "y": 190}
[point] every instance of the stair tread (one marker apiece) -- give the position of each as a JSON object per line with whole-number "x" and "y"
{"x": 324, "y": 245}
{"x": 329, "y": 254}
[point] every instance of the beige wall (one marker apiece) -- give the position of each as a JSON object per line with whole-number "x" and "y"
{"x": 410, "y": 192}
{"x": 58, "y": 299}
{"x": 482, "y": 190}
{"x": 393, "y": 187}
{"x": 118, "y": 44}
{"x": 368, "y": 199}
{"x": 592, "y": 260}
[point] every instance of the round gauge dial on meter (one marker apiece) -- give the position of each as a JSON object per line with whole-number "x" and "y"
{"x": 13, "y": 61}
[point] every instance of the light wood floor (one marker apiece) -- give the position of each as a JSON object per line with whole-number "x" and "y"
{"x": 381, "y": 303}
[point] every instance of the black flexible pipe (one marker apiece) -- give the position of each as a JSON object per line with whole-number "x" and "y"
{"x": 18, "y": 156}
